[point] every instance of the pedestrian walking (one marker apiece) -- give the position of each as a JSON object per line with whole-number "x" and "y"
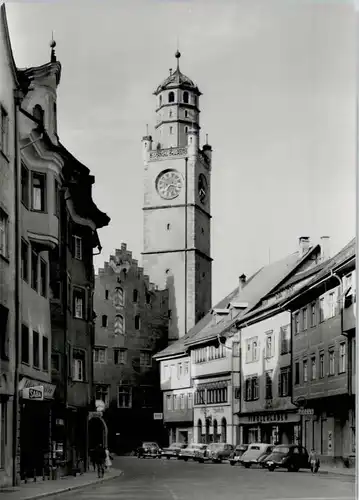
{"x": 314, "y": 461}
{"x": 108, "y": 461}
{"x": 100, "y": 458}
{"x": 93, "y": 458}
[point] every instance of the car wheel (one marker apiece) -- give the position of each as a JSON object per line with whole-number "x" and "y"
{"x": 168, "y": 458}
{"x": 247, "y": 466}
{"x": 231, "y": 462}
{"x": 185, "y": 459}
{"x": 271, "y": 468}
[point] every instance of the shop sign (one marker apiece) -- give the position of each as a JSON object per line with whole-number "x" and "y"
{"x": 158, "y": 416}
{"x": 269, "y": 417}
{"x": 306, "y": 411}
{"x": 34, "y": 393}
{"x": 49, "y": 389}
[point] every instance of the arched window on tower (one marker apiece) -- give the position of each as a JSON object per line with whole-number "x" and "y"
{"x": 186, "y": 130}
{"x": 185, "y": 97}
{"x": 186, "y": 114}
{"x": 160, "y": 100}
{"x": 171, "y": 97}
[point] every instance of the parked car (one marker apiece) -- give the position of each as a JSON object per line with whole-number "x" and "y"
{"x": 173, "y": 450}
{"x": 262, "y": 459}
{"x": 201, "y": 453}
{"x": 253, "y": 453}
{"x": 288, "y": 456}
{"x": 218, "y": 452}
{"x": 189, "y": 452}
{"x": 149, "y": 449}
{"x": 237, "y": 453}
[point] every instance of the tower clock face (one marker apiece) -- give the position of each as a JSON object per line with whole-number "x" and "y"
{"x": 202, "y": 188}
{"x": 169, "y": 184}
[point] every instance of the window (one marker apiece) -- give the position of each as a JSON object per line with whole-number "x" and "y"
{"x": 252, "y": 351}
{"x": 269, "y": 345}
{"x": 35, "y": 349}
{"x": 332, "y": 304}
{"x": 200, "y": 397}
{"x": 297, "y": 373}
{"x": 38, "y": 113}
{"x": 77, "y": 247}
{"x": 296, "y": 323}
{"x": 3, "y": 433}
{"x": 102, "y": 394}
{"x": 305, "y": 370}
{"x": 169, "y": 402}
{"x": 217, "y": 395}
{"x": 43, "y": 277}
{"x": 186, "y": 368}
{"x": 78, "y": 366}
{"x": 284, "y": 340}
{"x": 104, "y": 320}
{"x": 24, "y": 261}
{"x": 119, "y": 298}
{"x": 182, "y": 401}
{"x": 251, "y": 389}
{"x": 4, "y": 233}
{"x": 24, "y": 185}
{"x": 321, "y": 365}
{"x": 305, "y": 318}
{"x": 38, "y": 192}
{"x": 124, "y": 396}
{"x": 56, "y": 290}
{"x": 170, "y": 113}
{"x": 56, "y": 197}
{"x": 55, "y": 362}
{"x": 120, "y": 356}
{"x": 236, "y": 349}
{"x": 145, "y": 358}
{"x": 4, "y": 334}
{"x": 135, "y": 295}
{"x": 160, "y": 100}
{"x": 171, "y": 130}
{"x": 99, "y": 355}
{"x": 284, "y": 382}
{"x": 137, "y": 322}
{"x": 189, "y": 401}
{"x": 171, "y": 97}
{"x": 119, "y": 325}
{"x": 314, "y": 367}
{"x": 25, "y": 345}
{"x": 185, "y": 97}
{"x": 331, "y": 362}
{"x": 313, "y": 314}
{"x": 148, "y": 298}
{"x": 79, "y": 303}
{"x": 186, "y": 130}
{"x": 186, "y": 114}
{"x": 45, "y": 354}
{"x": 34, "y": 268}
{"x": 342, "y": 357}
{"x": 269, "y": 393}
{"x": 321, "y": 310}
{"x": 4, "y": 137}
{"x": 106, "y": 294}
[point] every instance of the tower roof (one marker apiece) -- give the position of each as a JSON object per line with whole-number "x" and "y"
{"x": 177, "y": 79}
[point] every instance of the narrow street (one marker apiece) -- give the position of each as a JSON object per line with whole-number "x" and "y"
{"x": 174, "y": 480}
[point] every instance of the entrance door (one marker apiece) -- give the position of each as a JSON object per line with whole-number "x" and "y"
{"x": 183, "y": 437}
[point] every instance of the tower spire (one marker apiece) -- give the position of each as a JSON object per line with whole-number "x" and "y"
{"x": 177, "y": 56}
{"x": 52, "y": 45}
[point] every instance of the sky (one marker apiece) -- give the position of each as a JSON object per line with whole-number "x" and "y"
{"x": 278, "y": 104}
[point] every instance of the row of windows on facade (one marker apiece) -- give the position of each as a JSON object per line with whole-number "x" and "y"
{"x": 77, "y": 366}
{"x": 185, "y": 97}
{"x": 119, "y": 297}
{"x": 119, "y": 323}
{"x": 125, "y": 395}
{"x": 211, "y": 396}
{"x": 39, "y": 358}
{"x": 318, "y": 368}
{"x": 170, "y": 115}
{"x": 252, "y": 351}
{"x": 119, "y": 356}
{"x": 179, "y": 402}
{"x": 210, "y": 353}
{"x": 170, "y": 370}
{"x": 252, "y": 385}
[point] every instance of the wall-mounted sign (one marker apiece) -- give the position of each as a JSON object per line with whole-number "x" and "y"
{"x": 35, "y": 393}
{"x": 306, "y": 411}
{"x": 49, "y": 389}
{"x": 269, "y": 417}
{"x": 158, "y": 416}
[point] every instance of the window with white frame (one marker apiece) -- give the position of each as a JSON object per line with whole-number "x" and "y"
{"x": 145, "y": 358}
{"x": 321, "y": 309}
{"x": 314, "y": 367}
{"x": 182, "y": 401}
{"x": 77, "y": 247}
{"x": 200, "y": 397}
{"x": 321, "y": 365}
{"x": 305, "y": 370}
{"x": 4, "y": 233}
{"x": 189, "y": 400}
{"x": 332, "y": 304}
{"x": 179, "y": 370}
{"x": 269, "y": 344}
{"x": 4, "y": 131}
{"x": 284, "y": 382}
{"x": 38, "y": 191}
{"x": 124, "y": 396}
{"x": 186, "y": 368}
{"x": 169, "y": 402}
{"x": 99, "y": 355}
{"x": 79, "y": 303}
{"x": 331, "y": 362}
{"x": 252, "y": 350}
{"x": 342, "y": 357}
{"x": 119, "y": 356}
{"x": 305, "y": 318}
{"x": 102, "y": 393}
{"x": 78, "y": 366}
{"x": 236, "y": 349}
{"x": 284, "y": 339}
{"x": 251, "y": 388}
{"x": 313, "y": 314}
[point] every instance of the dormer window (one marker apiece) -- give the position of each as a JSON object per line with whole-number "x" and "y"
{"x": 171, "y": 97}
{"x": 185, "y": 97}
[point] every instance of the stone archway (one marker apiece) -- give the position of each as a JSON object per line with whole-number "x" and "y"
{"x": 224, "y": 430}
{"x": 199, "y": 431}
{"x": 98, "y": 432}
{"x": 215, "y": 431}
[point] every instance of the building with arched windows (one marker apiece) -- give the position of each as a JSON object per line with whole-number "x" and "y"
{"x": 131, "y": 325}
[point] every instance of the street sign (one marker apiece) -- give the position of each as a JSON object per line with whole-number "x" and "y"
{"x": 35, "y": 393}
{"x": 158, "y": 416}
{"x": 306, "y": 411}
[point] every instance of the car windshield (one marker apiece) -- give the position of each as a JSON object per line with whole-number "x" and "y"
{"x": 281, "y": 449}
{"x": 255, "y": 448}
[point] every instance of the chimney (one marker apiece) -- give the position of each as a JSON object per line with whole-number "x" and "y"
{"x": 242, "y": 281}
{"x": 304, "y": 244}
{"x": 325, "y": 247}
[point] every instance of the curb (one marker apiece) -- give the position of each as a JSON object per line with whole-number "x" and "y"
{"x": 71, "y": 488}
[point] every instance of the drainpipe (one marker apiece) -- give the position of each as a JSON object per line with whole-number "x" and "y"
{"x": 16, "y": 400}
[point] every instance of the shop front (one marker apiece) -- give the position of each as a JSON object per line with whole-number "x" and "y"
{"x": 213, "y": 424}
{"x": 281, "y": 427}
{"x": 35, "y": 437}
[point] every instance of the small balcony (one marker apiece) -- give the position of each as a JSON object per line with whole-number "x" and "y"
{"x": 159, "y": 154}
{"x": 349, "y": 321}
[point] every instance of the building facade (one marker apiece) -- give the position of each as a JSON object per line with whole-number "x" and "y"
{"x": 131, "y": 325}
{"x": 9, "y": 290}
{"x": 177, "y": 220}
{"x": 323, "y": 358}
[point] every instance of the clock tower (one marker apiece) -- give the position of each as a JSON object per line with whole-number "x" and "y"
{"x": 176, "y": 209}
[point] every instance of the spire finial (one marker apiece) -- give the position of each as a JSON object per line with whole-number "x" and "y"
{"x": 177, "y": 56}
{"x": 53, "y": 45}
{"x": 170, "y": 71}
{"x": 207, "y": 139}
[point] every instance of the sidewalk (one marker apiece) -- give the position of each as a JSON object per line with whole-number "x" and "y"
{"x": 337, "y": 470}
{"x": 42, "y": 489}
